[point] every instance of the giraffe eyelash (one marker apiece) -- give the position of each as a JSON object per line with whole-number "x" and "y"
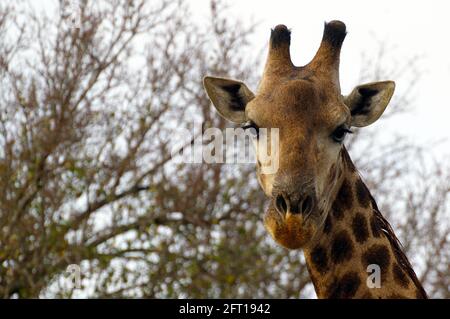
{"x": 339, "y": 133}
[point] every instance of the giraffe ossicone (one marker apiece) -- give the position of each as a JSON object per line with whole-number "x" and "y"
{"x": 318, "y": 200}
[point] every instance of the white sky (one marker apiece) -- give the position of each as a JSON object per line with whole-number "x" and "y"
{"x": 410, "y": 27}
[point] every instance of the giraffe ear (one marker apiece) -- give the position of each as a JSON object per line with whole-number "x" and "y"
{"x": 368, "y": 101}
{"x": 229, "y": 97}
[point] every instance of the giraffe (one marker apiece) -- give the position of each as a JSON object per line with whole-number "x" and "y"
{"x": 318, "y": 201}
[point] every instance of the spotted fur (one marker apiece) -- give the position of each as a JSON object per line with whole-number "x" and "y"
{"x": 319, "y": 259}
{"x": 341, "y": 248}
{"x": 343, "y": 201}
{"x": 360, "y": 228}
{"x": 346, "y": 287}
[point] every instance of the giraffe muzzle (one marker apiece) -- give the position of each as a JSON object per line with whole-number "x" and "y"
{"x": 289, "y": 204}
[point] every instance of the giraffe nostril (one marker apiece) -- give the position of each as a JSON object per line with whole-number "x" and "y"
{"x": 306, "y": 205}
{"x": 281, "y": 205}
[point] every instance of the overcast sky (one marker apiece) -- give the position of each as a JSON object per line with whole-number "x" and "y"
{"x": 408, "y": 28}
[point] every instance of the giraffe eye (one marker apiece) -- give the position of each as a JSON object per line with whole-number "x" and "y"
{"x": 339, "y": 134}
{"x": 254, "y": 129}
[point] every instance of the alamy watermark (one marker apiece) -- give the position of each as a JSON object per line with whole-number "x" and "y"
{"x": 74, "y": 276}
{"x": 231, "y": 146}
{"x": 374, "y": 279}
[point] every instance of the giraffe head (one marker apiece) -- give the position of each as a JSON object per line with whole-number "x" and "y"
{"x": 312, "y": 117}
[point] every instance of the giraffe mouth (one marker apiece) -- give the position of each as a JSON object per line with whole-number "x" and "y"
{"x": 292, "y": 231}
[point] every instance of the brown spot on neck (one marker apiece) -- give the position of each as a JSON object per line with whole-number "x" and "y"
{"x": 345, "y": 287}
{"x": 344, "y": 200}
{"x": 319, "y": 259}
{"x": 362, "y": 193}
{"x": 341, "y": 248}
{"x": 360, "y": 228}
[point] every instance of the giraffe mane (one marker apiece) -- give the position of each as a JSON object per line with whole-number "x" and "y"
{"x": 396, "y": 245}
{"x": 387, "y": 230}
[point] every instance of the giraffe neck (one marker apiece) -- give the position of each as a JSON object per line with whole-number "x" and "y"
{"x": 354, "y": 236}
